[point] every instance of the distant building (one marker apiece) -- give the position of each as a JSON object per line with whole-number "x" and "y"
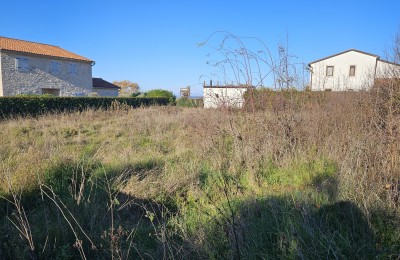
{"x": 350, "y": 70}
{"x": 37, "y": 68}
{"x": 224, "y": 96}
{"x": 104, "y": 88}
{"x": 185, "y": 92}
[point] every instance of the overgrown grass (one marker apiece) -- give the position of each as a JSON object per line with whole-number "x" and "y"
{"x": 301, "y": 179}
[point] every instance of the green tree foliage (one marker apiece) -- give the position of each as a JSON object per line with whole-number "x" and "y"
{"x": 160, "y": 93}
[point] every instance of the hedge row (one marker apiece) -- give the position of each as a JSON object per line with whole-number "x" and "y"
{"x": 39, "y": 105}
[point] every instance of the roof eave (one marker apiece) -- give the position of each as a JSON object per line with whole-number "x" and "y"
{"x": 228, "y": 87}
{"x": 50, "y": 56}
{"x": 343, "y": 52}
{"x": 389, "y": 62}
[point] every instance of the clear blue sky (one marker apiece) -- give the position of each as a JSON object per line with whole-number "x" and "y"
{"x": 154, "y": 42}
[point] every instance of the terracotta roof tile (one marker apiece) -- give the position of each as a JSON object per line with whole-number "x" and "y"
{"x": 10, "y": 44}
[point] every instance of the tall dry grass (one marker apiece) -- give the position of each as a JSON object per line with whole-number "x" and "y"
{"x": 212, "y": 174}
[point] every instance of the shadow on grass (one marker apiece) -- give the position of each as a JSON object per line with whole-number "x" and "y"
{"x": 82, "y": 203}
{"x": 112, "y": 224}
{"x": 294, "y": 226}
{"x": 278, "y": 228}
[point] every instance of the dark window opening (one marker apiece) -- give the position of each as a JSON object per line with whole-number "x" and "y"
{"x": 329, "y": 70}
{"x": 352, "y": 71}
{"x": 51, "y": 91}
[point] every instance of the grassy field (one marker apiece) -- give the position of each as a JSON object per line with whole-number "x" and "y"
{"x": 303, "y": 176}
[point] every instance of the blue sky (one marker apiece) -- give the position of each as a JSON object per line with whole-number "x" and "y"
{"x": 154, "y": 42}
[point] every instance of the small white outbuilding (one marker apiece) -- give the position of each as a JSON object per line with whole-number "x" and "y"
{"x": 350, "y": 70}
{"x": 224, "y": 96}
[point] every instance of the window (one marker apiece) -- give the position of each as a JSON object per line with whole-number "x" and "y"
{"x": 22, "y": 64}
{"x": 51, "y": 91}
{"x": 329, "y": 70}
{"x": 55, "y": 67}
{"x": 73, "y": 69}
{"x": 352, "y": 71}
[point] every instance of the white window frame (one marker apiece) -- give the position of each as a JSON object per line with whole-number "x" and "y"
{"x": 54, "y": 67}
{"x": 22, "y": 63}
{"x": 73, "y": 68}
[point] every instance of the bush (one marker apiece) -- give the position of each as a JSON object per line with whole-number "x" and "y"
{"x": 161, "y": 93}
{"x": 38, "y": 105}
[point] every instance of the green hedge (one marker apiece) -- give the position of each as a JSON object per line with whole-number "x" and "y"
{"x": 39, "y": 105}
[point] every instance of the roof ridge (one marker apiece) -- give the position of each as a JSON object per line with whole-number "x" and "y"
{"x": 29, "y": 41}
{"x": 343, "y": 52}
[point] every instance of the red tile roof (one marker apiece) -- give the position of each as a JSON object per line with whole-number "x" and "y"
{"x": 10, "y": 44}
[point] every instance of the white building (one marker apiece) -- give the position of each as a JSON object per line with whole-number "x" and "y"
{"x": 350, "y": 70}
{"x": 224, "y": 96}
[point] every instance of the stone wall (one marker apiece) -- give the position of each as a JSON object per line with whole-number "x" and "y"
{"x": 1, "y": 78}
{"x": 39, "y": 75}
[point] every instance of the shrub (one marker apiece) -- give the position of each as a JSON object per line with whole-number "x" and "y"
{"x": 189, "y": 102}
{"x": 38, "y": 105}
{"x": 160, "y": 93}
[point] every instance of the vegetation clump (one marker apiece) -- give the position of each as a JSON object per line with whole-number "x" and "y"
{"x": 160, "y": 93}
{"x": 35, "y": 105}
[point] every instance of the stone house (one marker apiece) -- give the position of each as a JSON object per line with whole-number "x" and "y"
{"x": 224, "y": 96}
{"x": 36, "y": 68}
{"x": 351, "y": 70}
{"x": 104, "y": 88}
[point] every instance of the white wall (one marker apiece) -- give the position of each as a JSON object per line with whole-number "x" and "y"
{"x": 214, "y": 97}
{"x": 340, "y": 81}
{"x": 106, "y": 92}
{"x": 387, "y": 70}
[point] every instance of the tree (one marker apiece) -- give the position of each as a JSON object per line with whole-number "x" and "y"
{"x": 161, "y": 93}
{"x": 236, "y": 64}
{"x": 128, "y": 88}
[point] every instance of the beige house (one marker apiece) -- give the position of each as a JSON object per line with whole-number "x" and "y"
{"x": 350, "y": 70}
{"x": 37, "y": 68}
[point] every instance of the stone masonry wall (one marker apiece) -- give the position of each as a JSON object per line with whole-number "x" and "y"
{"x": 1, "y": 78}
{"x": 39, "y": 76}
